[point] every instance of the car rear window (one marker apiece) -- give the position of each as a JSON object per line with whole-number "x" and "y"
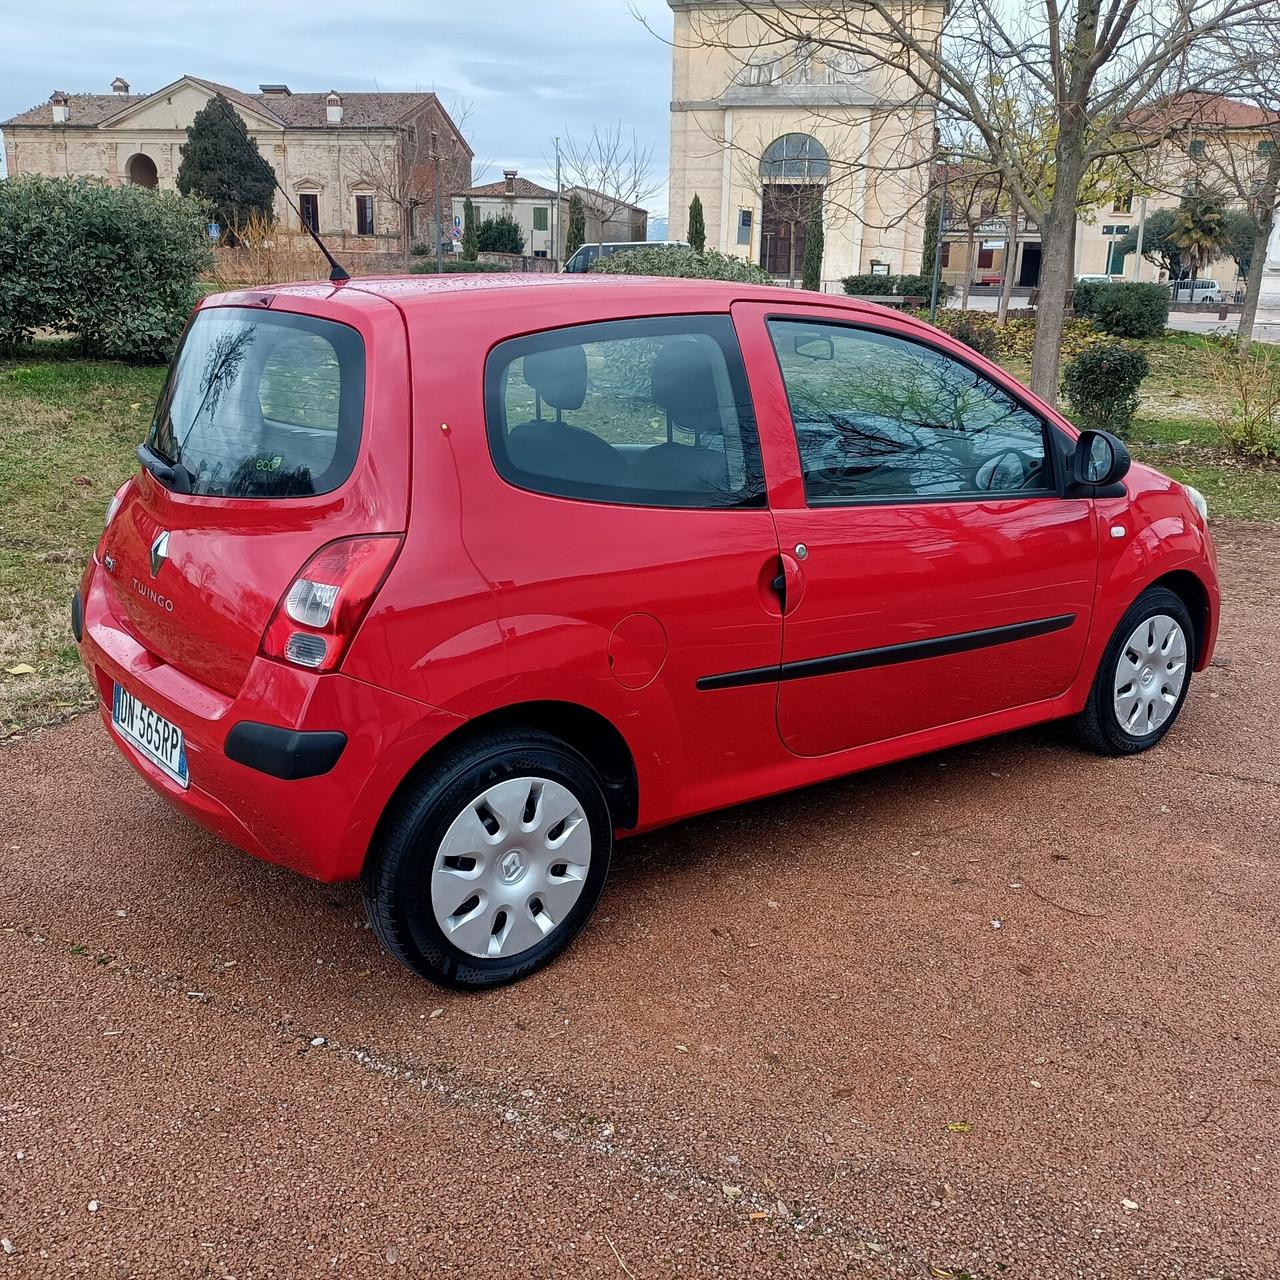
{"x": 262, "y": 405}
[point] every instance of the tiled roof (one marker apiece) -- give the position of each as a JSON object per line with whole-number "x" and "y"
{"x": 84, "y": 109}
{"x": 523, "y": 190}
{"x": 1206, "y": 110}
{"x": 290, "y": 111}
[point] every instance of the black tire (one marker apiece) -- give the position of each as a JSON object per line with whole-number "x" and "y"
{"x": 397, "y": 874}
{"x": 1098, "y": 726}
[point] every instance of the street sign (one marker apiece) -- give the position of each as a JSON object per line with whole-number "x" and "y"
{"x": 456, "y": 232}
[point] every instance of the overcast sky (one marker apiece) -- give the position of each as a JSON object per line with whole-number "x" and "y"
{"x": 528, "y": 71}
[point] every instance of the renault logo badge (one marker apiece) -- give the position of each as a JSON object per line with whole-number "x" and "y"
{"x": 159, "y": 552}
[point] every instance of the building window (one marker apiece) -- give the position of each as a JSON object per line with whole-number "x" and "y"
{"x": 795, "y": 157}
{"x": 1115, "y": 259}
{"x": 541, "y": 219}
{"x": 985, "y": 259}
{"x": 1266, "y": 147}
{"x": 946, "y": 253}
{"x": 1196, "y": 150}
{"x": 744, "y": 226}
{"x": 364, "y": 215}
{"x": 309, "y": 209}
{"x": 1123, "y": 203}
{"x": 539, "y": 253}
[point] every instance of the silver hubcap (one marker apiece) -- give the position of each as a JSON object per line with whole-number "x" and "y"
{"x": 1150, "y": 675}
{"x": 511, "y": 867}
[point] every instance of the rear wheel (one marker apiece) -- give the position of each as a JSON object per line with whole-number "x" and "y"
{"x": 1143, "y": 678}
{"x": 492, "y": 861}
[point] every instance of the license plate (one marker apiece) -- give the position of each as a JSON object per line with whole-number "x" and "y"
{"x": 157, "y": 738}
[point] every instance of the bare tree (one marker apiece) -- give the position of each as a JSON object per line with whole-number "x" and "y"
{"x": 1086, "y": 67}
{"x": 609, "y": 171}
{"x": 405, "y": 169}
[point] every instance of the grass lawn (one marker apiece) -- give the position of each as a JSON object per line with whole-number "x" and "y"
{"x": 68, "y": 429}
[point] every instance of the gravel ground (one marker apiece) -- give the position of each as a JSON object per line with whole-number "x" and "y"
{"x": 1008, "y": 1011}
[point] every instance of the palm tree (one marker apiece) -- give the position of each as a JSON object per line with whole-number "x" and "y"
{"x": 1200, "y": 229}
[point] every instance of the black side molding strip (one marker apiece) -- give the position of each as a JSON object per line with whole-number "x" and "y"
{"x": 913, "y": 651}
{"x": 284, "y": 753}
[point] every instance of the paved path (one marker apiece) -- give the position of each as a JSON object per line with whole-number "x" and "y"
{"x": 793, "y": 1042}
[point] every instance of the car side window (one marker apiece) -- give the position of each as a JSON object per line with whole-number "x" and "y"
{"x": 651, "y": 412}
{"x": 878, "y": 417}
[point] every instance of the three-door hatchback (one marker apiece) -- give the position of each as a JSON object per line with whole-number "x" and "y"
{"x": 444, "y": 583}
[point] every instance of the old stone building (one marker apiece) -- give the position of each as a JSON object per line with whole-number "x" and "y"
{"x": 360, "y": 167}
{"x": 763, "y": 130}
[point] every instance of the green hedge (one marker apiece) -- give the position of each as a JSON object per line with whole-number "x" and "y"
{"x": 114, "y": 267}
{"x": 455, "y": 266}
{"x": 1085, "y": 296}
{"x": 683, "y": 263}
{"x": 891, "y": 286}
{"x": 1102, "y": 384}
{"x": 1129, "y": 310}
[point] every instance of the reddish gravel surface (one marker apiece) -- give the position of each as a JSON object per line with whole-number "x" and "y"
{"x": 793, "y": 1042}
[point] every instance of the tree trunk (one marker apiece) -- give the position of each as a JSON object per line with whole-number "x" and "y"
{"x": 1057, "y": 271}
{"x": 1261, "y": 243}
{"x": 1257, "y": 268}
{"x": 968, "y": 270}
{"x": 1010, "y": 265}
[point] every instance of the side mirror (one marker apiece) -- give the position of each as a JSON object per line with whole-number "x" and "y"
{"x": 1100, "y": 459}
{"x": 819, "y": 348}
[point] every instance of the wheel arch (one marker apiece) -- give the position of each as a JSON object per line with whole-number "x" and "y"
{"x": 588, "y": 732}
{"x": 1193, "y": 593}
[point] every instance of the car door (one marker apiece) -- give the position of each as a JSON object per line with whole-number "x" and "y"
{"x": 934, "y": 574}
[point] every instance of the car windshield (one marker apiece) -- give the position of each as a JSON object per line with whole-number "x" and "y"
{"x": 262, "y": 405}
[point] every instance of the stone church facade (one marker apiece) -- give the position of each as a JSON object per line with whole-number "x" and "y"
{"x": 761, "y": 131}
{"x": 358, "y": 166}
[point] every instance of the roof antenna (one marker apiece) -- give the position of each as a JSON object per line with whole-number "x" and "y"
{"x": 337, "y": 272}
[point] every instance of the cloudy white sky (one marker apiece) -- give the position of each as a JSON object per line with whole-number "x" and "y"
{"x": 527, "y": 70}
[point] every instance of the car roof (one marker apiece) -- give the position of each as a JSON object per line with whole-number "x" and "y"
{"x": 468, "y": 292}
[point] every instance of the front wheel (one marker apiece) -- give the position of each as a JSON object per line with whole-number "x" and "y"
{"x": 1143, "y": 678}
{"x": 492, "y": 861}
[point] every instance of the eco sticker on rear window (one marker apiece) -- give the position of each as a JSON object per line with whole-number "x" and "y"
{"x": 262, "y": 405}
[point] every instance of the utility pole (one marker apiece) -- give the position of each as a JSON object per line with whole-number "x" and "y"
{"x": 1137, "y": 248}
{"x": 555, "y": 214}
{"x": 435, "y": 183}
{"x": 937, "y": 247}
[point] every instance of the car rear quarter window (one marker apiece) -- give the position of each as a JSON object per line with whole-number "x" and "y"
{"x": 651, "y": 412}
{"x": 262, "y": 405}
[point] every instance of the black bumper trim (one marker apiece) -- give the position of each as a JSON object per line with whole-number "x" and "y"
{"x": 77, "y": 617}
{"x": 284, "y": 753}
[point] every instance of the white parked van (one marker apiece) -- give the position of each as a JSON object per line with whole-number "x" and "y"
{"x": 587, "y": 254}
{"x": 1197, "y": 291}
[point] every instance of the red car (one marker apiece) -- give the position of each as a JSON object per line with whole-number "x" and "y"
{"x": 447, "y": 582}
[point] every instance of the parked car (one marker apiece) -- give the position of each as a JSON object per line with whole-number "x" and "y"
{"x": 445, "y": 583}
{"x": 586, "y": 255}
{"x": 1093, "y": 280}
{"x": 1196, "y": 291}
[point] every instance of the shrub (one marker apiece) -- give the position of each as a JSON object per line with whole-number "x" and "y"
{"x": 499, "y": 235}
{"x": 684, "y": 263}
{"x": 1102, "y": 384}
{"x": 115, "y": 267}
{"x": 455, "y": 266}
{"x": 1249, "y": 415}
{"x": 1086, "y": 295}
{"x": 1132, "y": 310}
{"x": 869, "y": 286}
{"x": 976, "y": 329}
{"x": 814, "y": 247}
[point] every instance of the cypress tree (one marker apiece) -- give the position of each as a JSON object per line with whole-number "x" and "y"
{"x": 811, "y": 273}
{"x": 577, "y": 232}
{"x": 470, "y": 239}
{"x": 221, "y": 163}
{"x": 697, "y": 233}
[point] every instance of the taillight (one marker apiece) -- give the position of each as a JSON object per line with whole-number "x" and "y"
{"x": 315, "y": 621}
{"x": 112, "y": 507}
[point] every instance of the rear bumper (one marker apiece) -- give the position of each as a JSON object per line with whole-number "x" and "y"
{"x": 296, "y": 768}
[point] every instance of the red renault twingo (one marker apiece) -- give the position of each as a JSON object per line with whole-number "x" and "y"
{"x": 445, "y": 582}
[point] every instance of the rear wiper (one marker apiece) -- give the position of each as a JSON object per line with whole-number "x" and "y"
{"x": 173, "y": 475}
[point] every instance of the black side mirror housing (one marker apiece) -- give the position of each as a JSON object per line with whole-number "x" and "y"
{"x": 1100, "y": 460}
